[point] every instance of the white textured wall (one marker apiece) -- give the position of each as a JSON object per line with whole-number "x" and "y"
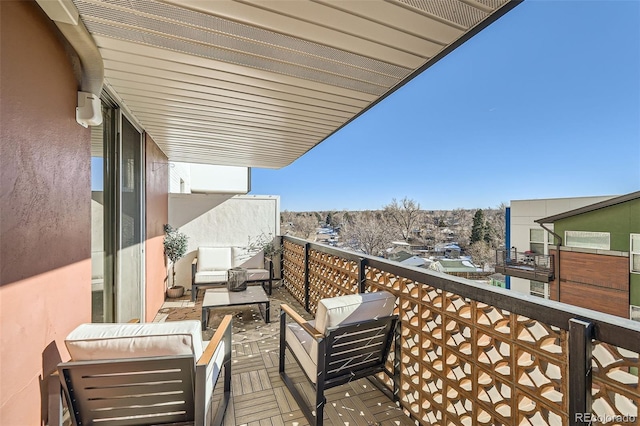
{"x": 219, "y": 179}
{"x": 205, "y": 178}
{"x": 525, "y": 212}
{"x": 179, "y": 171}
{"x": 212, "y": 220}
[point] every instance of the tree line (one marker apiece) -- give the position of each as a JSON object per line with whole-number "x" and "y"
{"x": 477, "y": 231}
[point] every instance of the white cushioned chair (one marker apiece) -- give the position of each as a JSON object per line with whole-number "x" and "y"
{"x": 144, "y": 374}
{"x": 350, "y": 338}
{"x": 211, "y": 266}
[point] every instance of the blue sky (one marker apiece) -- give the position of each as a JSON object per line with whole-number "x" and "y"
{"x": 543, "y": 103}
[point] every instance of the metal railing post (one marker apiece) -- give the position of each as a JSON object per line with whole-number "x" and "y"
{"x": 580, "y": 375}
{"x": 361, "y": 275}
{"x": 307, "y": 248}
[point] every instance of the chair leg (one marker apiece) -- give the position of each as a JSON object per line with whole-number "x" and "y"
{"x": 320, "y": 401}
{"x": 283, "y": 324}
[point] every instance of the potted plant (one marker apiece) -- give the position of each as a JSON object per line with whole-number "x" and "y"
{"x": 175, "y": 247}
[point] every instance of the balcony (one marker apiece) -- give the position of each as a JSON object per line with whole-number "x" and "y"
{"x": 527, "y": 265}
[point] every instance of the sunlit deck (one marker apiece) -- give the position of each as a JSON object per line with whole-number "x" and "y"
{"x": 259, "y": 397}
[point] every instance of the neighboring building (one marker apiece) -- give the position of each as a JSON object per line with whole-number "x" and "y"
{"x": 408, "y": 259}
{"x": 458, "y": 267}
{"x": 532, "y": 273}
{"x": 597, "y": 256}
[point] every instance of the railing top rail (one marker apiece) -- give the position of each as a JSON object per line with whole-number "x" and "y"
{"x": 618, "y": 331}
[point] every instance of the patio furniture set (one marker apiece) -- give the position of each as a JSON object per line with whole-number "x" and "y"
{"x": 163, "y": 373}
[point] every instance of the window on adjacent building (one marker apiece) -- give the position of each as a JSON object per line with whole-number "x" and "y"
{"x": 634, "y": 312}
{"x": 536, "y": 240}
{"x": 634, "y": 253}
{"x": 537, "y": 288}
{"x": 586, "y": 239}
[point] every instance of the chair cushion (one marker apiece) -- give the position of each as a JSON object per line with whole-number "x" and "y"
{"x": 352, "y": 308}
{"x": 214, "y": 258}
{"x": 257, "y": 275}
{"x": 304, "y": 348}
{"x": 113, "y": 341}
{"x": 243, "y": 259}
{"x": 210, "y": 277}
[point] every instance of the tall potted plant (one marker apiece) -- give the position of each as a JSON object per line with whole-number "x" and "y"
{"x": 175, "y": 247}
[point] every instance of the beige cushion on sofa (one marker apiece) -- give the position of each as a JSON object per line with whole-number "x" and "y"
{"x": 243, "y": 259}
{"x": 205, "y": 277}
{"x": 333, "y": 312}
{"x": 214, "y": 258}
{"x": 114, "y": 341}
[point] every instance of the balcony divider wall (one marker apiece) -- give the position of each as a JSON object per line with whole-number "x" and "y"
{"x": 473, "y": 354}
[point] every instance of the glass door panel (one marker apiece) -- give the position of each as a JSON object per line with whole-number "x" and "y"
{"x": 129, "y": 283}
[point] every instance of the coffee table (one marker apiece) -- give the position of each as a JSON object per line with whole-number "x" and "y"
{"x": 219, "y": 297}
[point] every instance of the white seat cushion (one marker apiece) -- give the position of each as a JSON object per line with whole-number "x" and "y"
{"x": 257, "y": 275}
{"x": 114, "y": 341}
{"x": 214, "y": 258}
{"x": 210, "y": 277}
{"x": 301, "y": 345}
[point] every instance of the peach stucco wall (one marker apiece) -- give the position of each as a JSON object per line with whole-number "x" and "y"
{"x": 157, "y": 208}
{"x": 45, "y": 267}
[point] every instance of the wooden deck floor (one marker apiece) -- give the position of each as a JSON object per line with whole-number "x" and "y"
{"x": 259, "y": 396}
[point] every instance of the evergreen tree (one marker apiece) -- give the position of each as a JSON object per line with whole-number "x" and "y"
{"x": 489, "y": 233}
{"x": 478, "y": 228}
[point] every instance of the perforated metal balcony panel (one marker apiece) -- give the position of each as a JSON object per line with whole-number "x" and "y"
{"x": 259, "y": 83}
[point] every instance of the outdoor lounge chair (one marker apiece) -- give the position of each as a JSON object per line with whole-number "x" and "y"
{"x": 143, "y": 374}
{"x": 349, "y": 339}
{"x": 210, "y": 268}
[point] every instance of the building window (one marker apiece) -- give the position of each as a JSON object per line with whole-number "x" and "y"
{"x": 537, "y": 288}
{"x": 634, "y": 313}
{"x": 634, "y": 253}
{"x": 536, "y": 240}
{"x": 586, "y": 239}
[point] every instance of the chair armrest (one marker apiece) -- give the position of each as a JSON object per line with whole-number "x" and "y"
{"x": 301, "y": 321}
{"x": 134, "y": 321}
{"x": 194, "y": 269}
{"x": 215, "y": 341}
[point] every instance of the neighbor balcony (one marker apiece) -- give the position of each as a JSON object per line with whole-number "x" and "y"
{"x": 527, "y": 265}
{"x": 470, "y": 354}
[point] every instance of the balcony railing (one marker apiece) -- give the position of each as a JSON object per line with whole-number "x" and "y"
{"x": 473, "y": 354}
{"x": 528, "y": 265}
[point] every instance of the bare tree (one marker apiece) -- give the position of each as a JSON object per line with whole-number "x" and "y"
{"x": 404, "y": 216}
{"x": 302, "y": 225}
{"x": 481, "y": 253}
{"x": 367, "y": 232}
{"x": 498, "y": 222}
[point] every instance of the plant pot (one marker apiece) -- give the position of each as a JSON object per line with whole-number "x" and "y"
{"x": 175, "y": 292}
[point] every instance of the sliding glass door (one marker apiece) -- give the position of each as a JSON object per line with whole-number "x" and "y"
{"x": 130, "y": 273}
{"x": 117, "y": 208}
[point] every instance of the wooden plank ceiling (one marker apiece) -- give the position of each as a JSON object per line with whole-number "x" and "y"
{"x": 259, "y": 83}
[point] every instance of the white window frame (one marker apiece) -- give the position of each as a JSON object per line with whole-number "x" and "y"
{"x": 634, "y": 250}
{"x": 545, "y": 289}
{"x": 568, "y": 235}
{"x": 634, "y": 312}
{"x": 540, "y": 242}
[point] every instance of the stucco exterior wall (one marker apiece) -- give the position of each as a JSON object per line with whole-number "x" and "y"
{"x": 45, "y": 193}
{"x": 157, "y": 214}
{"x": 215, "y": 221}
